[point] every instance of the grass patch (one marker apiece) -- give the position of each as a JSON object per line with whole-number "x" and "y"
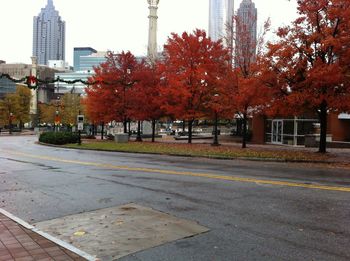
{"x": 203, "y": 150}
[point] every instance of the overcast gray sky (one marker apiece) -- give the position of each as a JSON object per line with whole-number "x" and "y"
{"x": 116, "y": 24}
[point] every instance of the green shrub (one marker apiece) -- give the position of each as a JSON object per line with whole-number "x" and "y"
{"x": 59, "y": 138}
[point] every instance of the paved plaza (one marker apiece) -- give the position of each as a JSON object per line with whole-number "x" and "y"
{"x": 22, "y": 244}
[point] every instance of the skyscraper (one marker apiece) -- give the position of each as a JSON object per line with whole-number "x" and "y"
{"x": 48, "y": 35}
{"x": 246, "y": 32}
{"x": 221, "y": 14}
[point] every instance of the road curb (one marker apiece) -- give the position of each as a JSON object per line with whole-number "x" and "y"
{"x": 48, "y": 237}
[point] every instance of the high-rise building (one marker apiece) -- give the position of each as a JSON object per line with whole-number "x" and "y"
{"x": 79, "y": 52}
{"x": 48, "y": 35}
{"x": 221, "y": 13}
{"x": 246, "y": 32}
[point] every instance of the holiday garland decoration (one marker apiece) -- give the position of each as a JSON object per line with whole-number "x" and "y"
{"x": 32, "y": 82}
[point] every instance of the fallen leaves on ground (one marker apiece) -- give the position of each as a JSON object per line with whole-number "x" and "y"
{"x": 206, "y": 150}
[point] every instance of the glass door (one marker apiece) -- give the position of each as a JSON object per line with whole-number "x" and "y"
{"x": 277, "y": 131}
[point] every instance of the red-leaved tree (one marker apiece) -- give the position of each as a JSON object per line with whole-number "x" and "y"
{"x": 310, "y": 62}
{"x": 190, "y": 64}
{"x": 246, "y": 95}
{"x": 109, "y": 99}
{"x": 145, "y": 96}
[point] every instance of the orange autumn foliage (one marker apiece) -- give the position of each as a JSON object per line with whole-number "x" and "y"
{"x": 308, "y": 66}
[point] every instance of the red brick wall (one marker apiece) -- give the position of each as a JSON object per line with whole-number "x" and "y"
{"x": 258, "y": 129}
{"x": 340, "y": 129}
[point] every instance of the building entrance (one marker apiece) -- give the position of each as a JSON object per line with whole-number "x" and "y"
{"x": 290, "y": 131}
{"x": 277, "y": 131}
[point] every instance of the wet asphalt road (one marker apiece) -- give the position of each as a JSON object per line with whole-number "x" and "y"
{"x": 247, "y": 220}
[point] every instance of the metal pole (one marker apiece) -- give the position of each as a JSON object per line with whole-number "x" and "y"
{"x": 102, "y": 131}
{"x": 79, "y": 137}
{"x": 10, "y": 123}
{"x": 79, "y": 134}
{"x": 216, "y": 141}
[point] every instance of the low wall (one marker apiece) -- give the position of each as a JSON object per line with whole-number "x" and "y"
{"x": 313, "y": 141}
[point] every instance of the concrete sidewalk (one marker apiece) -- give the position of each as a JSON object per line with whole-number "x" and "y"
{"x": 17, "y": 133}
{"x": 19, "y": 243}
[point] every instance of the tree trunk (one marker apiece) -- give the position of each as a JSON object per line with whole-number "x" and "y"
{"x": 183, "y": 125}
{"x": 138, "y": 137}
{"x": 244, "y": 133}
{"x": 102, "y": 130}
{"x": 125, "y": 126}
{"x": 91, "y": 129}
{"x": 153, "y": 130}
{"x": 215, "y": 130}
{"x": 323, "y": 125}
{"x": 10, "y": 126}
{"x": 190, "y": 123}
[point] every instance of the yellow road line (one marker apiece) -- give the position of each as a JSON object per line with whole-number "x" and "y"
{"x": 188, "y": 173}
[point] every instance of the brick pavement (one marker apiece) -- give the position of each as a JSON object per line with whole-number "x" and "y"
{"x": 21, "y": 244}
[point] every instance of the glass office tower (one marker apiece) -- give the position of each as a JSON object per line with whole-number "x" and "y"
{"x": 221, "y": 14}
{"x": 48, "y": 35}
{"x": 246, "y": 32}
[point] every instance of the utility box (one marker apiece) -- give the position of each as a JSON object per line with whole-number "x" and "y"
{"x": 121, "y": 138}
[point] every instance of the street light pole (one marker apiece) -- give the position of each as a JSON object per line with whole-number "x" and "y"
{"x": 10, "y": 123}
{"x": 216, "y": 140}
{"x": 79, "y": 131}
{"x": 57, "y": 112}
{"x": 125, "y": 85}
{"x": 79, "y": 137}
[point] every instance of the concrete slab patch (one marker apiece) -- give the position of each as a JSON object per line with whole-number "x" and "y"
{"x": 119, "y": 231}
